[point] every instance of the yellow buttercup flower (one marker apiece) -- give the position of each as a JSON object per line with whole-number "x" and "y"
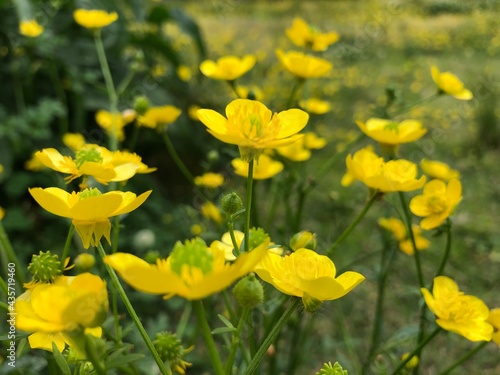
{"x": 303, "y": 35}
{"x": 30, "y": 28}
{"x": 253, "y": 127}
{"x": 210, "y": 180}
{"x": 93, "y": 18}
{"x": 363, "y": 163}
{"x": 227, "y": 68}
{"x": 155, "y": 117}
{"x": 302, "y": 65}
{"x": 192, "y": 271}
{"x": 313, "y": 141}
{"x": 226, "y": 244}
{"x": 89, "y": 210}
{"x": 113, "y": 122}
{"x": 308, "y": 275}
{"x": 295, "y": 152}
{"x": 316, "y": 106}
{"x": 58, "y": 312}
{"x": 264, "y": 168}
{"x": 439, "y": 170}
{"x": 193, "y": 112}
{"x": 253, "y": 93}
{"x": 398, "y": 229}
{"x": 457, "y": 312}
{"x": 494, "y": 320}
{"x": 437, "y": 202}
{"x": 388, "y": 132}
{"x": 184, "y": 73}
{"x": 75, "y": 141}
{"x": 211, "y": 212}
{"x": 449, "y": 84}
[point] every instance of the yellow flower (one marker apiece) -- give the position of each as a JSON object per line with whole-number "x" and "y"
{"x": 226, "y": 244}
{"x": 156, "y": 116}
{"x": 363, "y": 163}
{"x": 315, "y": 106}
{"x": 253, "y": 127}
{"x": 210, "y": 180}
{"x": 89, "y": 210}
{"x": 93, "y": 18}
{"x": 388, "y": 132}
{"x": 75, "y": 141}
{"x": 308, "y": 275}
{"x": 211, "y": 212}
{"x": 456, "y": 312}
{"x": 192, "y": 271}
{"x": 193, "y": 112}
{"x": 439, "y": 170}
{"x": 494, "y": 320}
{"x": 59, "y": 311}
{"x": 263, "y": 169}
{"x": 227, "y": 68}
{"x": 303, "y": 35}
{"x": 437, "y": 202}
{"x": 113, "y": 123}
{"x": 412, "y": 363}
{"x": 448, "y": 83}
{"x": 184, "y": 73}
{"x": 2, "y": 213}
{"x": 312, "y": 141}
{"x": 295, "y": 152}
{"x": 302, "y": 65}
{"x": 30, "y": 28}
{"x": 398, "y": 229}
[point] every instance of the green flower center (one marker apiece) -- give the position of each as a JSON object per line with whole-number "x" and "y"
{"x": 87, "y": 193}
{"x": 193, "y": 253}
{"x": 88, "y": 155}
{"x": 45, "y": 267}
{"x": 257, "y": 236}
{"x": 437, "y": 204}
{"x": 392, "y": 127}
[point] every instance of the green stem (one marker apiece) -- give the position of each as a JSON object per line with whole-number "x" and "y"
{"x": 183, "y": 321}
{"x": 464, "y": 358}
{"x": 4, "y": 306}
{"x": 232, "y": 84}
{"x": 302, "y": 193}
{"x": 6, "y": 248}
{"x": 299, "y": 82}
{"x": 271, "y": 336}
{"x": 248, "y": 205}
{"x": 236, "y": 341}
{"x": 207, "y": 336}
{"x": 125, "y": 82}
{"x": 67, "y": 245}
{"x": 177, "y": 160}
{"x": 230, "y": 227}
{"x": 447, "y": 249}
{"x": 407, "y": 107}
{"x": 3, "y": 285}
{"x": 131, "y": 311}
{"x": 417, "y": 350}
{"x": 353, "y": 225}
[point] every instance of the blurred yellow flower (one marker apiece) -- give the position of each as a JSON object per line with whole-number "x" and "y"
{"x": 193, "y": 112}
{"x": 448, "y": 83}
{"x": 54, "y": 312}
{"x": 315, "y": 106}
{"x": 113, "y": 123}
{"x": 303, "y": 35}
{"x": 313, "y": 141}
{"x": 210, "y": 180}
{"x": 456, "y": 312}
{"x": 30, "y": 28}
{"x": 363, "y": 163}
{"x": 264, "y": 168}
{"x": 75, "y": 141}
{"x": 253, "y": 93}
{"x": 388, "y": 132}
{"x": 494, "y": 320}
{"x": 89, "y": 210}
{"x": 192, "y": 271}
{"x": 439, "y": 170}
{"x": 227, "y": 68}
{"x": 93, "y": 18}
{"x": 437, "y": 202}
{"x": 308, "y": 275}
{"x": 253, "y": 127}
{"x": 184, "y": 73}
{"x": 226, "y": 244}
{"x": 302, "y": 65}
{"x": 295, "y": 152}
{"x": 34, "y": 164}
{"x": 196, "y": 229}
{"x": 211, "y": 212}
{"x": 2, "y": 213}
{"x": 155, "y": 117}
{"x": 398, "y": 229}
{"x": 412, "y": 363}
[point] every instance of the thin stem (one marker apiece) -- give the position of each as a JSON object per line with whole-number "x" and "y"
{"x": 125, "y": 82}
{"x": 6, "y": 248}
{"x": 67, "y": 245}
{"x": 407, "y": 107}
{"x": 353, "y": 225}
{"x": 299, "y": 82}
{"x": 464, "y": 358}
{"x": 183, "y": 321}
{"x": 230, "y": 227}
{"x": 177, "y": 160}
{"x": 271, "y": 336}
{"x": 447, "y": 249}
{"x": 417, "y": 350}
{"x": 232, "y": 84}
{"x": 207, "y": 336}
{"x": 131, "y": 311}
{"x": 3, "y": 286}
{"x": 4, "y": 306}
{"x": 248, "y": 205}
{"x": 236, "y": 341}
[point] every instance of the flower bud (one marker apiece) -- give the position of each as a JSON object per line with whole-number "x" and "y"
{"x": 329, "y": 369}
{"x": 249, "y": 292}
{"x": 151, "y": 256}
{"x": 171, "y": 351}
{"x": 141, "y": 105}
{"x": 45, "y": 267}
{"x": 84, "y": 262}
{"x": 303, "y": 239}
{"x": 231, "y": 203}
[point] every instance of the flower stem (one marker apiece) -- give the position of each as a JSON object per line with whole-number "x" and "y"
{"x": 236, "y": 341}
{"x": 248, "y": 205}
{"x": 207, "y": 336}
{"x": 230, "y": 227}
{"x": 177, "y": 160}
{"x": 8, "y": 251}
{"x": 299, "y": 82}
{"x": 349, "y": 229}
{"x": 407, "y": 107}
{"x": 67, "y": 245}
{"x": 464, "y": 358}
{"x": 232, "y": 84}
{"x": 271, "y": 336}
{"x": 447, "y": 249}
{"x": 131, "y": 311}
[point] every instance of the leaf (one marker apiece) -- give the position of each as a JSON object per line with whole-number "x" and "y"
{"x": 221, "y": 330}
{"x": 61, "y": 361}
{"x": 225, "y": 321}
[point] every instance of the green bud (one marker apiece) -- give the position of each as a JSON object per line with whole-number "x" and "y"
{"x": 45, "y": 267}
{"x": 141, "y": 104}
{"x": 170, "y": 350}
{"x": 257, "y": 236}
{"x": 303, "y": 239}
{"x": 84, "y": 262}
{"x": 86, "y": 369}
{"x": 231, "y": 203}
{"x": 249, "y": 292}
{"x": 329, "y": 369}
{"x": 213, "y": 156}
{"x": 152, "y": 256}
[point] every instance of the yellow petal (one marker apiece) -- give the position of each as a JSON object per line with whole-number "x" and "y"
{"x": 292, "y": 121}
{"x": 213, "y": 120}
{"x": 41, "y": 340}
{"x": 53, "y": 200}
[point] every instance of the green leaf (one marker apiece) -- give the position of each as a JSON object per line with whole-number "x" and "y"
{"x": 61, "y": 361}
{"x": 221, "y": 330}
{"x": 225, "y": 321}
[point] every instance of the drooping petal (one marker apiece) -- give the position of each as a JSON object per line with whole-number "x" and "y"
{"x": 42, "y": 340}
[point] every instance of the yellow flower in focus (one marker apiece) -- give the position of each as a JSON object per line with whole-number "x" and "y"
{"x": 263, "y": 169}
{"x": 227, "y": 68}
{"x": 75, "y": 141}
{"x": 157, "y": 116}
{"x": 308, "y": 275}
{"x": 448, "y": 83}
{"x": 456, "y": 312}
{"x": 30, "y": 28}
{"x": 253, "y": 127}
{"x": 302, "y": 65}
{"x": 437, "y": 202}
{"x": 211, "y": 212}
{"x": 398, "y": 229}
{"x": 210, "y": 180}
{"x": 439, "y": 170}
{"x": 303, "y": 35}
{"x": 89, "y": 210}
{"x": 184, "y": 73}
{"x": 192, "y": 271}
{"x": 388, "y": 132}
{"x": 93, "y": 18}
{"x": 113, "y": 123}
{"x": 54, "y": 312}
{"x": 315, "y": 106}
{"x": 363, "y": 163}
{"x": 494, "y": 320}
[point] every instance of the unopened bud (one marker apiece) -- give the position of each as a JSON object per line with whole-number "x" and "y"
{"x": 141, "y": 105}
{"x": 303, "y": 239}
{"x": 249, "y": 292}
{"x": 231, "y": 203}
{"x": 84, "y": 262}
